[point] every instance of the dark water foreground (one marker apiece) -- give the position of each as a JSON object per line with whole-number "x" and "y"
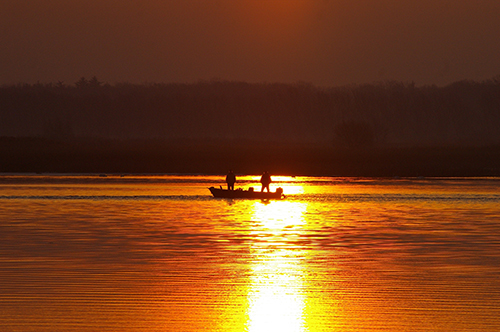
{"x": 144, "y": 253}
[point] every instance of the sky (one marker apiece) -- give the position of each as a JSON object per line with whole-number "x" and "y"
{"x": 323, "y": 42}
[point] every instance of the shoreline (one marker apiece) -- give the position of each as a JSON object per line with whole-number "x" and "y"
{"x": 96, "y": 156}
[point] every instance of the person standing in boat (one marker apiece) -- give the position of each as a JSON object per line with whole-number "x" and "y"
{"x": 265, "y": 179}
{"x": 230, "y": 180}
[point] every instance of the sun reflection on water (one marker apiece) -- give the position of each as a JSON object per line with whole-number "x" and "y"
{"x": 276, "y": 297}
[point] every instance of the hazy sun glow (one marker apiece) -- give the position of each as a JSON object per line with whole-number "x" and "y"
{"x": 276, "y": 296}
{"x": 290, "y": 185}
{"x": 277, "y": 14}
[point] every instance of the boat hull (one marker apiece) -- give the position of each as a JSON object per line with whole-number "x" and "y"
{"x": 248, "y": 194}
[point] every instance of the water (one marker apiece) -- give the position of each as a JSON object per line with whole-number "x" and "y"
{"x": 157, "y": 253}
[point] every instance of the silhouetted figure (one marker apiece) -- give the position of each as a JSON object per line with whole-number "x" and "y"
{"x": 266, "y": 181}
{"x": 230, "y": 180}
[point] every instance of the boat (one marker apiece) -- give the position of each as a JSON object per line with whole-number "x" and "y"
{"x": 249, "y": 194}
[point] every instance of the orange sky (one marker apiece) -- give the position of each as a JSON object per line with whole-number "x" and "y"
{"x": 324, "y": 42}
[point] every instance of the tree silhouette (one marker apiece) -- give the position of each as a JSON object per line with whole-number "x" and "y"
{"x": 82, "y": 83}
{"x": 355, "y": 116}
{"x": 355, "y": 134}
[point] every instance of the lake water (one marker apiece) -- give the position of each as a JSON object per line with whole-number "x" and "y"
{"x": 158, "y": 253}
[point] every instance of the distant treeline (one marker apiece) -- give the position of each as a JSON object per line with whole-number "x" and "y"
{"x": 390, "y": 114}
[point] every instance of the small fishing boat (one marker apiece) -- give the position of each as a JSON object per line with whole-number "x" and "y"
{"x": 250, "y": 193}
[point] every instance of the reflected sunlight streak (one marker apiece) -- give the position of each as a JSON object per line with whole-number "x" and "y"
{"x": 276, "y": 297}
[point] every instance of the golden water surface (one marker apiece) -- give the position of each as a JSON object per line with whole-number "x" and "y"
{"x": 158, "y": 253}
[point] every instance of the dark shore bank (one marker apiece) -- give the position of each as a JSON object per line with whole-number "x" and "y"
{"x": 39, "y": 155}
